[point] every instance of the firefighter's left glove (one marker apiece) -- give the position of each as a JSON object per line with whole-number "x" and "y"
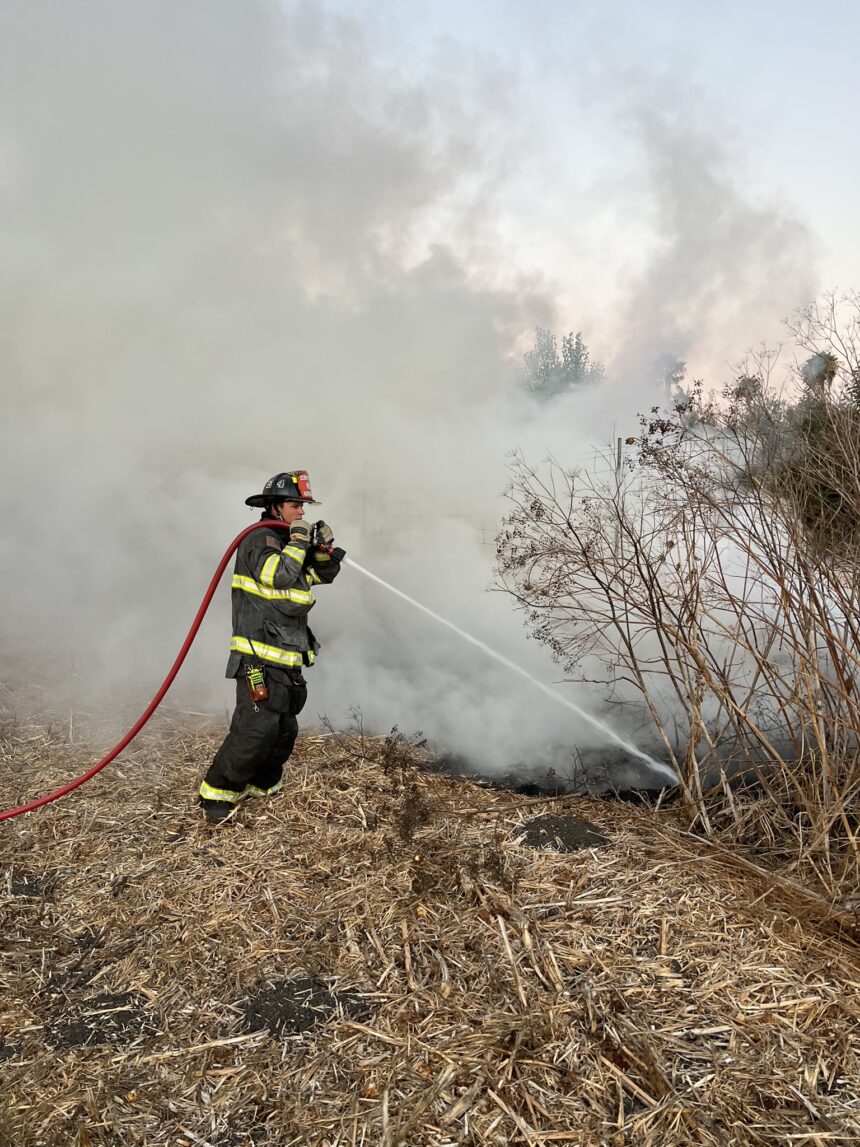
{"x": 323, "y": 535}
{"x": 301, "y": 532}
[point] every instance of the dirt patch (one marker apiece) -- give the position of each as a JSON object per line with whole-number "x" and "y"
{"x": 109, "y": 1018}
{"x": 290, "y": 1007}
{"x": 566, "y": 833}
{"x": 8, "y": 1051}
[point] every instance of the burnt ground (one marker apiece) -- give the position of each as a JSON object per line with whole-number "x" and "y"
{"x": 576, "y": 772}
{"x": 290, "y": 1007}
{"x": 106, "y": 1018}
{"x": 565, "y": 833}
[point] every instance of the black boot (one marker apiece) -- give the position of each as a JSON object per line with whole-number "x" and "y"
{"x": 217, "y": 812}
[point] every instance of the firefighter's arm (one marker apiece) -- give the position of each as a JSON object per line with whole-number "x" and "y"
{"x": 277, "y": 558}
{"x": 323, "y": 568}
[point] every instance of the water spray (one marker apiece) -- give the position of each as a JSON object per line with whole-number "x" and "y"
{"x": 40, "y": 802}
{"x": 657, "y": 766}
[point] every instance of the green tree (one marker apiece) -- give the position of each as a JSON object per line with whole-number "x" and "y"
{"x": 548, "y": 373}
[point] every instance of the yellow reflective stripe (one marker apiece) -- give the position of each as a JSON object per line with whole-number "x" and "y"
{"x": 314, "y": 577}
{"x": 269, "y": 652}
{"x": 270, "y": 565}
{"x": 253, "y": 791}
{"x": 299, "y": 596}
{"x": 270, "y": 568}
{"x": 320, "y": 557}
{"x": 210, "y": 794}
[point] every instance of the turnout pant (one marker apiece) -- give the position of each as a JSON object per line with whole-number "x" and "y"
{"x": 262, "y": 735}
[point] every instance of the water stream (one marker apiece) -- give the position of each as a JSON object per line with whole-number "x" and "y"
{"x": 657, "y": 766}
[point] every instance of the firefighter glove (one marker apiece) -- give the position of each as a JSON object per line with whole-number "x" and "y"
{"x": 324, "y": 536}
{"x": 300, "y": 531}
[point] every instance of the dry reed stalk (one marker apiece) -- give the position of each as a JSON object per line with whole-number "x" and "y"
{"x": 480, "y": 992}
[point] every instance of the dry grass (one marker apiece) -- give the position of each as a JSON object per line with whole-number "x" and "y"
{"x": 652, "y": 991}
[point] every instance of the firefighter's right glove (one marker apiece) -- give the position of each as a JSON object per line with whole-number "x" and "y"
{"x": 323, "y": 535}
{"x": 301, "y": 532}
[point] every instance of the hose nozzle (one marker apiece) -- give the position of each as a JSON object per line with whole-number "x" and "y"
{"x": 337, "y": 553}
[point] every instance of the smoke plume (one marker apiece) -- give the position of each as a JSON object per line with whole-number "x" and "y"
{"x": 235, "y": 241}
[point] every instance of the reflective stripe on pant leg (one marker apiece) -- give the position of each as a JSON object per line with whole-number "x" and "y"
{"x": 253, "y": 791}
{"x": 208, "y": 793}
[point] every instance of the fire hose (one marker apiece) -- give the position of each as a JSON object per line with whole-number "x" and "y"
{"x": 7, "y": 814}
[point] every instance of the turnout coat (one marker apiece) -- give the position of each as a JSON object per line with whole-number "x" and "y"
{"x": 272, "y": 596}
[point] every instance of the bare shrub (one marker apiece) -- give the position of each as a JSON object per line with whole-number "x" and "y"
{"x": 715, "y": 581}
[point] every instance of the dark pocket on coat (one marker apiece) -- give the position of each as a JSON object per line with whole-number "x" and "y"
{"x": 286, "y": 634}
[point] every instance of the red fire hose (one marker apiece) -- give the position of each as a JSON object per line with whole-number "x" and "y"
{"x": 165, "y": 685}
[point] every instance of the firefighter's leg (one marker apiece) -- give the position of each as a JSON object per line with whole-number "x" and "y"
{"x": 253, "y": 733}
{"x": 268, "y": 779}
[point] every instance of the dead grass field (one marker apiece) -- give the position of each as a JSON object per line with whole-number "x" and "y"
{"x": 376, "y": 957}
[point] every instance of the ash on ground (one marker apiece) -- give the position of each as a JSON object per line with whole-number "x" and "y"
{"x": 564, "y": 833}
{"x": 109, "y": 1018}
{"x": 291, "y": 1007}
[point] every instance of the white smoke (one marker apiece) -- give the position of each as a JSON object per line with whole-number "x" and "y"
{"x": 235, "y": 241}
{"x": 726, "y": 268}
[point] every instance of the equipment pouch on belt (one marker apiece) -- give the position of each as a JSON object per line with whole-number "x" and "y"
{"x": 255, "y": 675}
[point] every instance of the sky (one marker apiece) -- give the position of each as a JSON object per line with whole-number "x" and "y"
{"x": 243, "y": 237}
{"x": 774, "y": 84}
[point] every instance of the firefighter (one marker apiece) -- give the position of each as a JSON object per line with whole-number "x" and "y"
{"x": 271, "y": 644}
